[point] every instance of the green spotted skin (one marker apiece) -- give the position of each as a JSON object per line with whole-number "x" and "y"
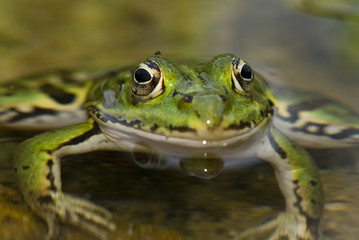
{"x": 44, "y": 101}
{"x": 202, "y": 113}
{"x": 193, "y": 102}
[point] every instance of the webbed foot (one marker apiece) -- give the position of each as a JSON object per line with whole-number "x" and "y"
{"x": 59, "y": 207}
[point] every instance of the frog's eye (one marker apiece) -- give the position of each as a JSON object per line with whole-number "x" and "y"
{"x": 242, "y": 76}
{"x": 147, "y": 80}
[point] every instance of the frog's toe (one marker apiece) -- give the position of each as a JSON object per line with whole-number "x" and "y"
{"x": 85, "y": 210}
{"x": 86, "y": 215}
{"x": 78, "y": 212}
{"x": 292, "y": 226}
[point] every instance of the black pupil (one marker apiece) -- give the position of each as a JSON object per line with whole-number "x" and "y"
{"x": 142, "y": 75}
{"x": 246, "y": 72}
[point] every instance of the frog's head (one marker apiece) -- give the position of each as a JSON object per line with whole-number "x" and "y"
{"x": 201, "y": 103}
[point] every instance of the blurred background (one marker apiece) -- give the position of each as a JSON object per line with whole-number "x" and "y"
{"x": 309, "y": 44}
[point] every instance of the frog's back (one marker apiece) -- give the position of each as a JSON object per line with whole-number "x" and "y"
{"x": 314, "y": 120}
{"x": 45, "y": 101}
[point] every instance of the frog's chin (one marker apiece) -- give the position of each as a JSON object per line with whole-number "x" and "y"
{"x": 231, "y": 143}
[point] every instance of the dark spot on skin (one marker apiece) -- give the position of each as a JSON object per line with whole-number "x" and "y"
{"x": 223, "y": 97}
{"x": 181, "y": 129}
{"x": 271, "y": 104}
{"x": 50, "y": 176}
{"x": 50, "y": 163}
{"x": 239, "y": 126}
{"x": 107, "y": 118}
{"x": 244, "y": 124}
{"x": 312, "y": 223}
{"x": 346, "y": 133}
{"x": 15, "y": 169}
{"x": 235, "y": 62}
{"x": 197, "y": 114}
{"x": 25, "y": 167}
{"x": 58, "y": 94}
{"x": 134, "y": 124}
{"x": 275, "y": 145}
{"x": 52, "y": 188}
{"x": 308, "y": 106}
{"x": 154, "y": 128}
{"x": 175, "y": 93}
{"x": 153, "y": 65}
{"x": 36, "y": 112}
{"x": 313, "y": 183}
{"x": 83, "y": 137}
{"x": 45, "y": 200}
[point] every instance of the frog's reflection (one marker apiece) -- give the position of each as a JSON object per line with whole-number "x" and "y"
{"x": 203, "y": 166}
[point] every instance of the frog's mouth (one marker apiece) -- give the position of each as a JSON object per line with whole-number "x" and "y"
{"x": 181, "y": 142}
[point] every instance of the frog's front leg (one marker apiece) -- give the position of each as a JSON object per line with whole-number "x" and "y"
{"x": 300, "y": 184}
{"x": 37, "y": 166}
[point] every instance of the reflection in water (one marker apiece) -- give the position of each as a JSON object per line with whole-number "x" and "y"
{"x": 204, "y": 167}
{"x": 149, "y": 160}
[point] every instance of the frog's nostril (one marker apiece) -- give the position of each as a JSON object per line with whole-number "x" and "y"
{"x": 223, "y": 97}
{"x": 187, "y": 98}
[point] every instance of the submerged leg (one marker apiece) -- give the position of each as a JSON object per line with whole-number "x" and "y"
{"x": 37, "y": 167}
{"x": 300, "y": 184}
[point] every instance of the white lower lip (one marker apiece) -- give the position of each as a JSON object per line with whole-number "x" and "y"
{"x": 184, "y": 144}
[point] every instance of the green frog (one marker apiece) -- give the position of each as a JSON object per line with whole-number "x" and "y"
{"x": 200, "y": 115}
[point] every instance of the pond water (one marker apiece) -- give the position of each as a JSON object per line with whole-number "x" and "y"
{"x": 314, "y": 49}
